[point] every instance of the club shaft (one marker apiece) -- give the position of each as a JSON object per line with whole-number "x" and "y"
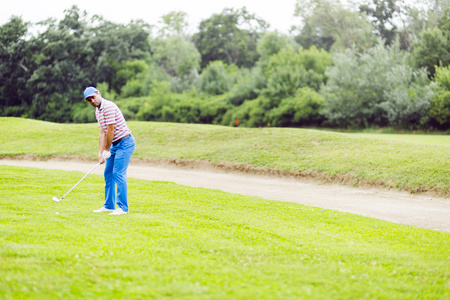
{"x": 81, "y": 180}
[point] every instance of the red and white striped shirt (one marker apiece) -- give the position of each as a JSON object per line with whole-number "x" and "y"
{"x": 109, "y": 113}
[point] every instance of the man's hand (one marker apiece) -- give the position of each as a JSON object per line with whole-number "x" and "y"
{"x": 106, "y": 154}
{"x": 103, "y": 156}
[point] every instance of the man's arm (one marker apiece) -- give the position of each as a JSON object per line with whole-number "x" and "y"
{"x": 101, "y": 145}
{"x": 109, "y": 136}
{"x": 105, "y": 141}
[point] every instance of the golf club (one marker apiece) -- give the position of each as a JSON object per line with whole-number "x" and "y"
{"x": 58, "y": 200}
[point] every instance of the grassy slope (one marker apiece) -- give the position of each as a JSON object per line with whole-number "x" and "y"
{"x": 187, "y": 243}
{"x": 411, "y": 165}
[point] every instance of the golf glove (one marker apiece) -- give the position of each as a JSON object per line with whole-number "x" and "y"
{"x": 106, "y": 154}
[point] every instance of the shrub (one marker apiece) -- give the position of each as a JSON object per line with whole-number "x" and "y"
{"x": 289, "y": 70}
{"x": 440, "y": 111}
{"x": 299, "y": 110}
{"x": 375, "y": 88}
{"x": 215, "y": 79}
{"x": 247, "y": 86}
{"x": 83, "y": 113}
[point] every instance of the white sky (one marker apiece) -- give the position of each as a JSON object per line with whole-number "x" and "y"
{"x": 279, "y": 14}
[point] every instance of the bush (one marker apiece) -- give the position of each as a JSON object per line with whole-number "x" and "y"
{"x": 299, "y": 110}
{"x": 440, "y": 111}
{"x": 83, "y": 113}
{"x": 251, "y": 113}
{"x": 442, "y": 77}
{"x": 289, "y": 70}
{"x": 15, "y": 111}
{"x": 375, "y": 88}
{"x": 215, "y": 79}
{"x": 247, "y": 87}
{"x": 407, "y": 97}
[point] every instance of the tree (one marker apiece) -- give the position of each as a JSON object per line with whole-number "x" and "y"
{"x": 174, "y": 23}
{"x": 271, "y": 43}
{"x": 231, "y": 37}
{"x": 215, "y": 79}
{"x": 114, "y": 44}
{"x": 440, "y": 106}
{"x": 77, "y": 52}
{"x": 176, "y": 55}
{"x": 382, "y": 14}
{"x": 432, "y": 50}
{"x": 16, "y": 66}
{"x": 375, "y": 88}
{"x": 65, "y": 66}
{"x": 289, "y": 70}
{"x": 330, "y": 23}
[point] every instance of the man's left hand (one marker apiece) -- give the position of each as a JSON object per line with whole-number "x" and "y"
{"x": 106, "y": 154}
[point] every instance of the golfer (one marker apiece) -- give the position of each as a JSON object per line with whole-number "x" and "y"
{"x": 116, "y": 145}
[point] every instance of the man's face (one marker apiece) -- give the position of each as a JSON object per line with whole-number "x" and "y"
{"x": 95, "y": 100}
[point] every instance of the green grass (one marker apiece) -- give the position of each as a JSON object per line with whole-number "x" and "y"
{"x": 410, "y": 162}
{"x": 188, "y": 243}
{"x": 411, "y": 138}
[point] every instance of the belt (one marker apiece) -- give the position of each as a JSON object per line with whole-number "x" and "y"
{"x": 121, "y": 139}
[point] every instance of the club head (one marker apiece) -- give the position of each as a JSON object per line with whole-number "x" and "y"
{"x": 56, "y": 199}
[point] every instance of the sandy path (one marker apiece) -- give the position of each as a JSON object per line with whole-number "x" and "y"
{"x": 399, "y": 207}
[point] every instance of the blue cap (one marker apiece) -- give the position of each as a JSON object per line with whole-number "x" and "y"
{"x": 89, "y": 92}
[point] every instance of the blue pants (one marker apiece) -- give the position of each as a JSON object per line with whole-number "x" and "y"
{"x": 116, "y": 174}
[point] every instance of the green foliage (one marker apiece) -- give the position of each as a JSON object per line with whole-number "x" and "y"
{"x": 106, "y": 92}
{"x": 300, "y": 110}
{"x": 432, "y": 50}
{"x": 288, "y": 70}
{"x": 17, "y": 63}
{"x": 252, "y": 113}
{"x": 272, "y": 42}
{"x": 329, "y": 25}
{"x": 127, "y": 71}
{"x": 375, "y": 88}
{"x": 247, "y": 86}
{"x": 230, "y": 37}
{"x": 407, "y": 97}
{"x": 173, "y": 23}
{"x": 382, "y": 13}
{"x": 43, "y": 76}
{"x": 184, "y": 83}
{"x": 216, "y": 78}
{"x": 164, "y": 106}
{"x": 161, "y": 98}
{"x": 440, "y": 106}
{"x": 442, "y": 77}
{"x": 133, "y": 88}
{"x": 175, "y": 55}
{"x": 440, "y": 111}
{"x": 83, "y": 113}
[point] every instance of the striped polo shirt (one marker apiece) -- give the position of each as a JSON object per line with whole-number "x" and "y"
{"x": 109, "y": 113}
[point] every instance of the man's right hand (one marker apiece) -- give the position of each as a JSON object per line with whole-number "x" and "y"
{"x": 103, "y": 156}
{"x": 101, "y": 160}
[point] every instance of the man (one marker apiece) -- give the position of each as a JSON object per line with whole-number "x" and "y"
{"x": 116, "y": 145}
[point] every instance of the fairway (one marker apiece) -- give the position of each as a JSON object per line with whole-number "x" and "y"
{"x": 188, "y": 243}
{"x": 410, "y": 138}
{"x": 341, "y": 158}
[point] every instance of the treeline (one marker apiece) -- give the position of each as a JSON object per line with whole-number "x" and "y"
{"x": 385, "y": 63}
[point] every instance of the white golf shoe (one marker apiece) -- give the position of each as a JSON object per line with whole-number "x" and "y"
{"x": 103, "y": 209}
{"x": 118, "y": 211}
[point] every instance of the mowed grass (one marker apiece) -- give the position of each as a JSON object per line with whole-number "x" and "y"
{"x": 189, "y": 243}
{"x": 430, "y": 139}
{"x": 410, "y": 162}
